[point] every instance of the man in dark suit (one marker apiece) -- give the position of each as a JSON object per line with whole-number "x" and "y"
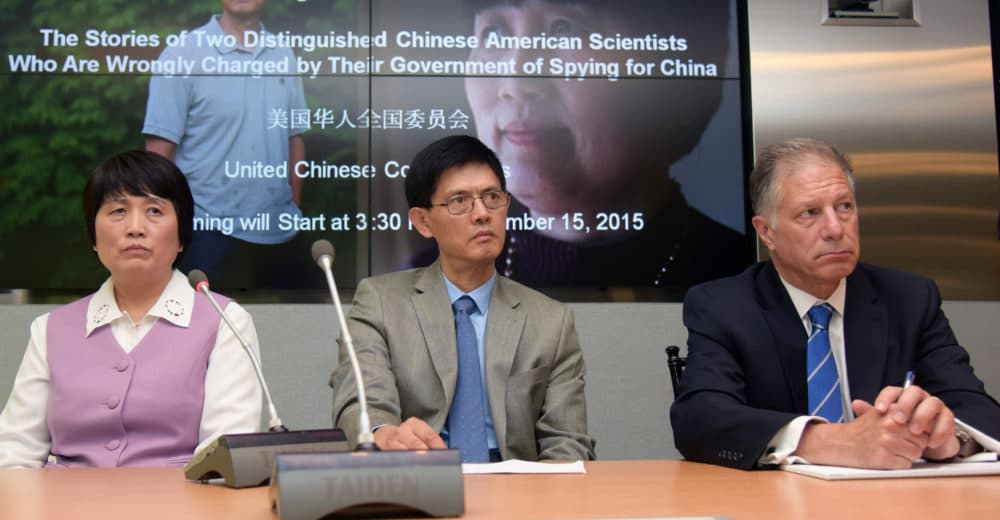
{"x": 777, "y": 353}
{"x": 526, "y": 382}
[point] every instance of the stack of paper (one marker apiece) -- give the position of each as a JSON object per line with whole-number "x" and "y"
{"x": 984, "y": 463}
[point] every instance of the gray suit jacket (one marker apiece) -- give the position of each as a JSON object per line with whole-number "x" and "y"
{"x": 404, "y": 333}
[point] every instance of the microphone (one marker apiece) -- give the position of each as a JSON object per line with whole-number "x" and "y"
{"x": 367, "y": 480}
{"x": 199, "y": 281}
{"x": 246, "y": 459}
{"x": 322, "y": 253}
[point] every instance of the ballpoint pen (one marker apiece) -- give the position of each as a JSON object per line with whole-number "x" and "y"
{"x": 909, "y": 379}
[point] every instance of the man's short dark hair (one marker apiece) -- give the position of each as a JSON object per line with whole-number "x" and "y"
{"x": 442, "y": 155}
{"x": 140, "y": 173}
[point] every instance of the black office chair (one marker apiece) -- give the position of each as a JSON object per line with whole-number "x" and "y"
{"x": 675, "y": 364}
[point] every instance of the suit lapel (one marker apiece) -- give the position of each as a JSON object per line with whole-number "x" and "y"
{"x": 503, "y": 333}
{"x": 437, "y": 322}
{"x": 866, "y": 331}
{"x": 788, "y": 334}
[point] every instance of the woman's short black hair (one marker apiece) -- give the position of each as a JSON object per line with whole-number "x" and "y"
{"x": 140, "y": 173}
{"x": 441, "y": 155}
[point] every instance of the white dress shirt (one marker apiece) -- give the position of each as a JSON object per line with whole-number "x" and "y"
{"x": 786, "y": 440}
{"x": 232, "y": 393}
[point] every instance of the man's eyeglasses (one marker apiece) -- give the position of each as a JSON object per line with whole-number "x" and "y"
{"x": 462, "y": 204}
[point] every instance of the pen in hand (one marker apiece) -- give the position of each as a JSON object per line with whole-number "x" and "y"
{"x": 899, "y": 417}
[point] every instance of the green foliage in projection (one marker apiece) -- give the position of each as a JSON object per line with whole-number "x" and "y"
{"x": 57, "y": 126}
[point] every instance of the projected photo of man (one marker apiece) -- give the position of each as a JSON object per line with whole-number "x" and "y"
{"x": 228, "y": 120}
{"x": 588, "y": 146}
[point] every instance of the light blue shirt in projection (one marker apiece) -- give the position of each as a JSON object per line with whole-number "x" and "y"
{"x": 231, "y": 130}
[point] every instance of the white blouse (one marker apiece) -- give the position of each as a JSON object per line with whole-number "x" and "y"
{"x": 232, "y": 393}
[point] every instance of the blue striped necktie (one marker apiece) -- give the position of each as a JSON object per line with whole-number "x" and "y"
{"x": 821, "y": 369}
{"x": 467, "y": 416}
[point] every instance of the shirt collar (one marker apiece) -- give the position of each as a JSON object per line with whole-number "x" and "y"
{"x": 174, "y": 305}
{"x": 215, "y": 29}
{"x": 804, "y": 301}
{"x": 481, "y": 295}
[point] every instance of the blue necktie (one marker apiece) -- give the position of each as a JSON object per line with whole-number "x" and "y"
{"x": 467, "y": 417}
{"x": 824, "y": 387}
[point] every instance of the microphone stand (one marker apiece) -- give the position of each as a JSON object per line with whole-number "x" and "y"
{"x": 366, "y": 439}
{"x": 246, "y": 459}
{"x": 366, "y": 481}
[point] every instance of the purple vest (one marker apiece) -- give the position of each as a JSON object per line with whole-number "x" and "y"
{"x": 107, "y": 408}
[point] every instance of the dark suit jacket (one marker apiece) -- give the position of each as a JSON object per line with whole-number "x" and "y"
{"x": 404, "y": 333}
{"x": 745, "y": 374}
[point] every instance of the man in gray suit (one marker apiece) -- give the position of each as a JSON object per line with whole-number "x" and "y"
{"x": 516, "y": 389}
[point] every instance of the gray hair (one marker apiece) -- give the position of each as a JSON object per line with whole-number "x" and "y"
{"x": 764, "y": 185}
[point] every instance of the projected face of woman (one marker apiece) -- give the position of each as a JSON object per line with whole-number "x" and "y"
{"x": 571, "y": 145}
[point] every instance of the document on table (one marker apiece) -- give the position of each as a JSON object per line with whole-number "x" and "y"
{"x": 919, "y": 469}
{"x": 984, "y": 463}
{"x": 523, "y": 466}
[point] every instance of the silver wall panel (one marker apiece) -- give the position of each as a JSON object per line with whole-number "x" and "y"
{"x": 913, "y": 107}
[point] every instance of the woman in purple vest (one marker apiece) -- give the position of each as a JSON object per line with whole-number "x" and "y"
{"x": 143, "y": 372}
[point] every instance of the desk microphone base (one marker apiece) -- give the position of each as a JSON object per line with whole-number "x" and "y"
{"x": 246, "y": 459}
{"x": 369, "y": 483}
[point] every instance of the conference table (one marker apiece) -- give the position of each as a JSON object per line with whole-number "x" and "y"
{"x": 609, "y": 489}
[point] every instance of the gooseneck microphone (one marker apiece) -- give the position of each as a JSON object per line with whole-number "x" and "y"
{"x": 366, "y": 481}
{"x": 199, "y": 281}
{"x": 247, "y": 459}
{"x": 323, "y": 254}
